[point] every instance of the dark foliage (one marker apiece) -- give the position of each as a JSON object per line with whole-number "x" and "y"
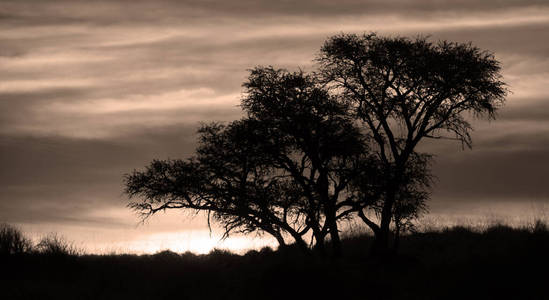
{"x": 315, "y": 149}
{"x": 289, "y": 168}
{"x": 408, "y": 90}
{"x": 55, "y": 245}
{"x": 12, "y": 241}
{"x": 457, "y": 263}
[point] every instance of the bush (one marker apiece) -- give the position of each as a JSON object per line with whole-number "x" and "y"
{"x": 56, "y": 245}
{"x": 12, "y": 241}
{"x": 540, "y": 226}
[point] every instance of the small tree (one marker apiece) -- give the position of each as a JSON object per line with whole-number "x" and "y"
{"x": 407, "y": 90}
{"x": 323, "y": 149}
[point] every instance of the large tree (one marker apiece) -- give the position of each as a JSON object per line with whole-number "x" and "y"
{"x": 284, "y": 169}
{"x": 405, "y": 91}
{"x": 316, "y": 149}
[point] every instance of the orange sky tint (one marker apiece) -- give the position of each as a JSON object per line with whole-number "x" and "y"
{"x": 91, "y": 90}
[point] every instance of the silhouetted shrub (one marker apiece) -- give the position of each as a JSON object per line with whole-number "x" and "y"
{"x": 12, "y": 241}
{"x": 166, "y": 253}
{"x": 166, "y": 256}
{"x": 540, "y": 227}
{"x": 220, "y": 252}
{"x": 56, "y": 245}
{"x": 252, "y": 252}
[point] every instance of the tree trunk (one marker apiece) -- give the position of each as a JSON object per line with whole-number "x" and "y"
{"x": 331, "y": 223}
{"x": 297, "y": 237}
{"x": 330, "y": 213}
{"x": 381, "y": 241}
{"x": 320, "y": 247}
{"x": 380, "y": 246}
{"x": 279, "y": 239}
{"x": 336, "y": 241}
{"x": 302, "y": 245}
{"x": 397, "y": 235}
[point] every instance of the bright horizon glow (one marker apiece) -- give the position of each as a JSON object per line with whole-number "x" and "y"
{"x": 145, "y": 240}
{"x": 90, "y": 91}
{"x": 195, "y": 241}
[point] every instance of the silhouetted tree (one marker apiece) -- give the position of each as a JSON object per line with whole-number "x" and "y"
{"x": 406, "y": 90}
{"x": 228, "y": 179}
{"x": 317, "y": 142}
{"x": 316, "y": 149}
{"x": 284, "y": 169}
{"x": 367, "y": 193}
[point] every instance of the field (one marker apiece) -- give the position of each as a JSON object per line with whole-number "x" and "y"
{"x": 498, "y": 262}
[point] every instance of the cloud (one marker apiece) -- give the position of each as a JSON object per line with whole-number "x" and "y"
{"x": 101, "y": 12}
{"x": 44, "y": 178}
{"x": 516, "y": 174}
{"x": 509, "y": 160}
{"x": 90, "y": 90}
{"x": 528, "y": 110}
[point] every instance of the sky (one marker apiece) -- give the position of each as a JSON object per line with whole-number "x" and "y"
{"x": 90, "y": 90}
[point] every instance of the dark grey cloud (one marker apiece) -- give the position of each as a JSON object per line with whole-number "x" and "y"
{"x": 44, "y": 178}
{"x": 512, "y": 39}
{"x": 477, "y": 175}
{"x": 508, "y": 160}
{"x": 57, "y": 159}
{"x": 107, "y": 12}
{"x": 534, "y": 110}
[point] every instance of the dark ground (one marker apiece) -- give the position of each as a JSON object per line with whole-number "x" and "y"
{"x": 458, "y": 263}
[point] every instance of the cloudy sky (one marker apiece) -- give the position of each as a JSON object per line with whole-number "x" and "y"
{"x": 90, "y": 90}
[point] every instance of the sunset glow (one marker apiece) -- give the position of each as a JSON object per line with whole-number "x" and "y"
{"x": 90, "y": 90}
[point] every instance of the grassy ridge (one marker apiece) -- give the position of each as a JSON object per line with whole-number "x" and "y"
{"x": 457, "y": 263}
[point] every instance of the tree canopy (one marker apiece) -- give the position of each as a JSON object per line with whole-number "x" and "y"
{"x": 406, "y": 90}
{"x": 316, "y": 149}
{"x": 284, "y": 169}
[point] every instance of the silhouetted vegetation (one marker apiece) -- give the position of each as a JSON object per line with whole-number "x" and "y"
{"x": 405, "y": 91}
{"x": 291, "y": 167}
{"x": 316, "y": 149}
{"x": 55, "y": 245}
{"x": 498, "y": 262}
{"x": 12, "y": 241}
